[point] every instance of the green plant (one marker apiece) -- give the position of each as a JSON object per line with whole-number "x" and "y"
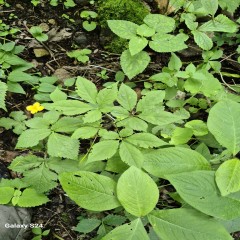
{"x": 39, "y": 233}
{"x": 69, "y": 3}
{"x": 66, "y": 3}
{"x": 131, "y": 10}
{"x": 7, "y": 30}
{"x": 158, "y": 158}
{"x": 103, "y": 74}
{"x": 37, "y": 33}
{"x": 134, "y": 143}
{"x": 68, "y": 18}
{"x": 80, "y": 55}
{"x": 35, "y": 2}
{"x": 157, "y": 27}
{"x": 12, "y": 71}
{"x": 88, "y": 24}
{"x": 15, "y": 121}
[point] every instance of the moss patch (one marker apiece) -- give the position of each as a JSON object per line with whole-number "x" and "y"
{"x": 131, "y": 10}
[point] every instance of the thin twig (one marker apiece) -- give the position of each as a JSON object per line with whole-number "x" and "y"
{"x": 226, "y": 83}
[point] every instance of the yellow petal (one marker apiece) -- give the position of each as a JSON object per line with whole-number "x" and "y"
{"x": 29, "y": 108}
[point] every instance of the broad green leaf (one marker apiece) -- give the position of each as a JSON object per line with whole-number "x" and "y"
{"x": 145, "y": 140}
{"x": 90, "y": 190}
{"x": 168, "y": 43}
{"x": 130, "y": 155}
{"x": 198, "y": 126}
{"x": 175, "y": 62}
{"x": 86, "y": 90}
{"x": 204, "y": 82}
{"x": 6, "y": 194}
{"x": 122, "y": 28}
{"x": 127, "y": 97}
{"x": 231, "y": 225}
{"x": 106, "y": 97}
{"x": 15, "y": 87}
{"x": 37, "y": 123}
{"x": 23, "y": 163}
{"x": 114, "y": 220}
{"x": 85, "y": 132}
{"x": 116, "y": 165}
{"x": 226, "y": 128}
{"x": 3, "y": 91}
{"x": 19, "y": 76}
{"x": 108, "y": 135}
{"x": 129, "y": 231}
{"x": 151, "y": 100}
{"x": 166, "y": 78}
{"x": 134, "y": 65}
{"x": 67, "y": 124}
{"x": 51, "y": 116}
{"x": 173, "y": 160}
{"x": 221, "y": 23}
{"x": 230, "y": 6}
{"x": 58, "y": 95}
{"x": 137, "y": 44}
{"x": 41, "y": 178}
{"x": 202, "y": 40}
{"x": 160, "y": 23}
{"x": 71, "y": 107}
{"x": 133, "y": 123}
{"x": 87, "y": 225}
{"x": 227, "y": 177}
{"x": 204, "y": 151}
{"x": 59, "y": 165}
{"x": 103, "y": 150}
{"x": 181, "y": 136}
{"x": 120, "y": 112}
{"x": 62, "y": 146}
{"x": 159, "y": 117}
{"x": 186, "y": 224}
{"x": 210, "y": 6}
{"x": 198, "y": 189}
{"x": 137, "y": 192}
{"x": 31, "y": 137}
{"x": 145, "y": 31}
{"x": 92, "y": 116}
{"x": 31, "y": 198}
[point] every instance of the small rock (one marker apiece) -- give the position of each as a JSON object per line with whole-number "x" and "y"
{"x": 52, "y": 21}
{"x": 81, "y": 39}
{"x": 190, "y": 52}
{"x": 62, "y": 74}
{"x": 44, "y": 27}
{"x": 40, "y": 52}
{"x": 82, "y": 3}
{"x": 19, "y": 6}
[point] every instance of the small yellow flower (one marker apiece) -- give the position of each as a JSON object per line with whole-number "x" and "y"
{"x": 36, "y": 107}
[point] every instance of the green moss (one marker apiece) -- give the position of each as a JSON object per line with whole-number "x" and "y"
{"x": 130, "y": 10}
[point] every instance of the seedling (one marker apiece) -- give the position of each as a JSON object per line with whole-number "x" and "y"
{"x": 37, "y": 33}
{"x": 69, "y": 3}
{"x": 88, "y": 24}
{"x": 103, "y": 74}
{"x": 39, "y": 233}
{"x": 80, "y": 55}
{"x": 35, "y": 2}
{"x": 68, "y": 18}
